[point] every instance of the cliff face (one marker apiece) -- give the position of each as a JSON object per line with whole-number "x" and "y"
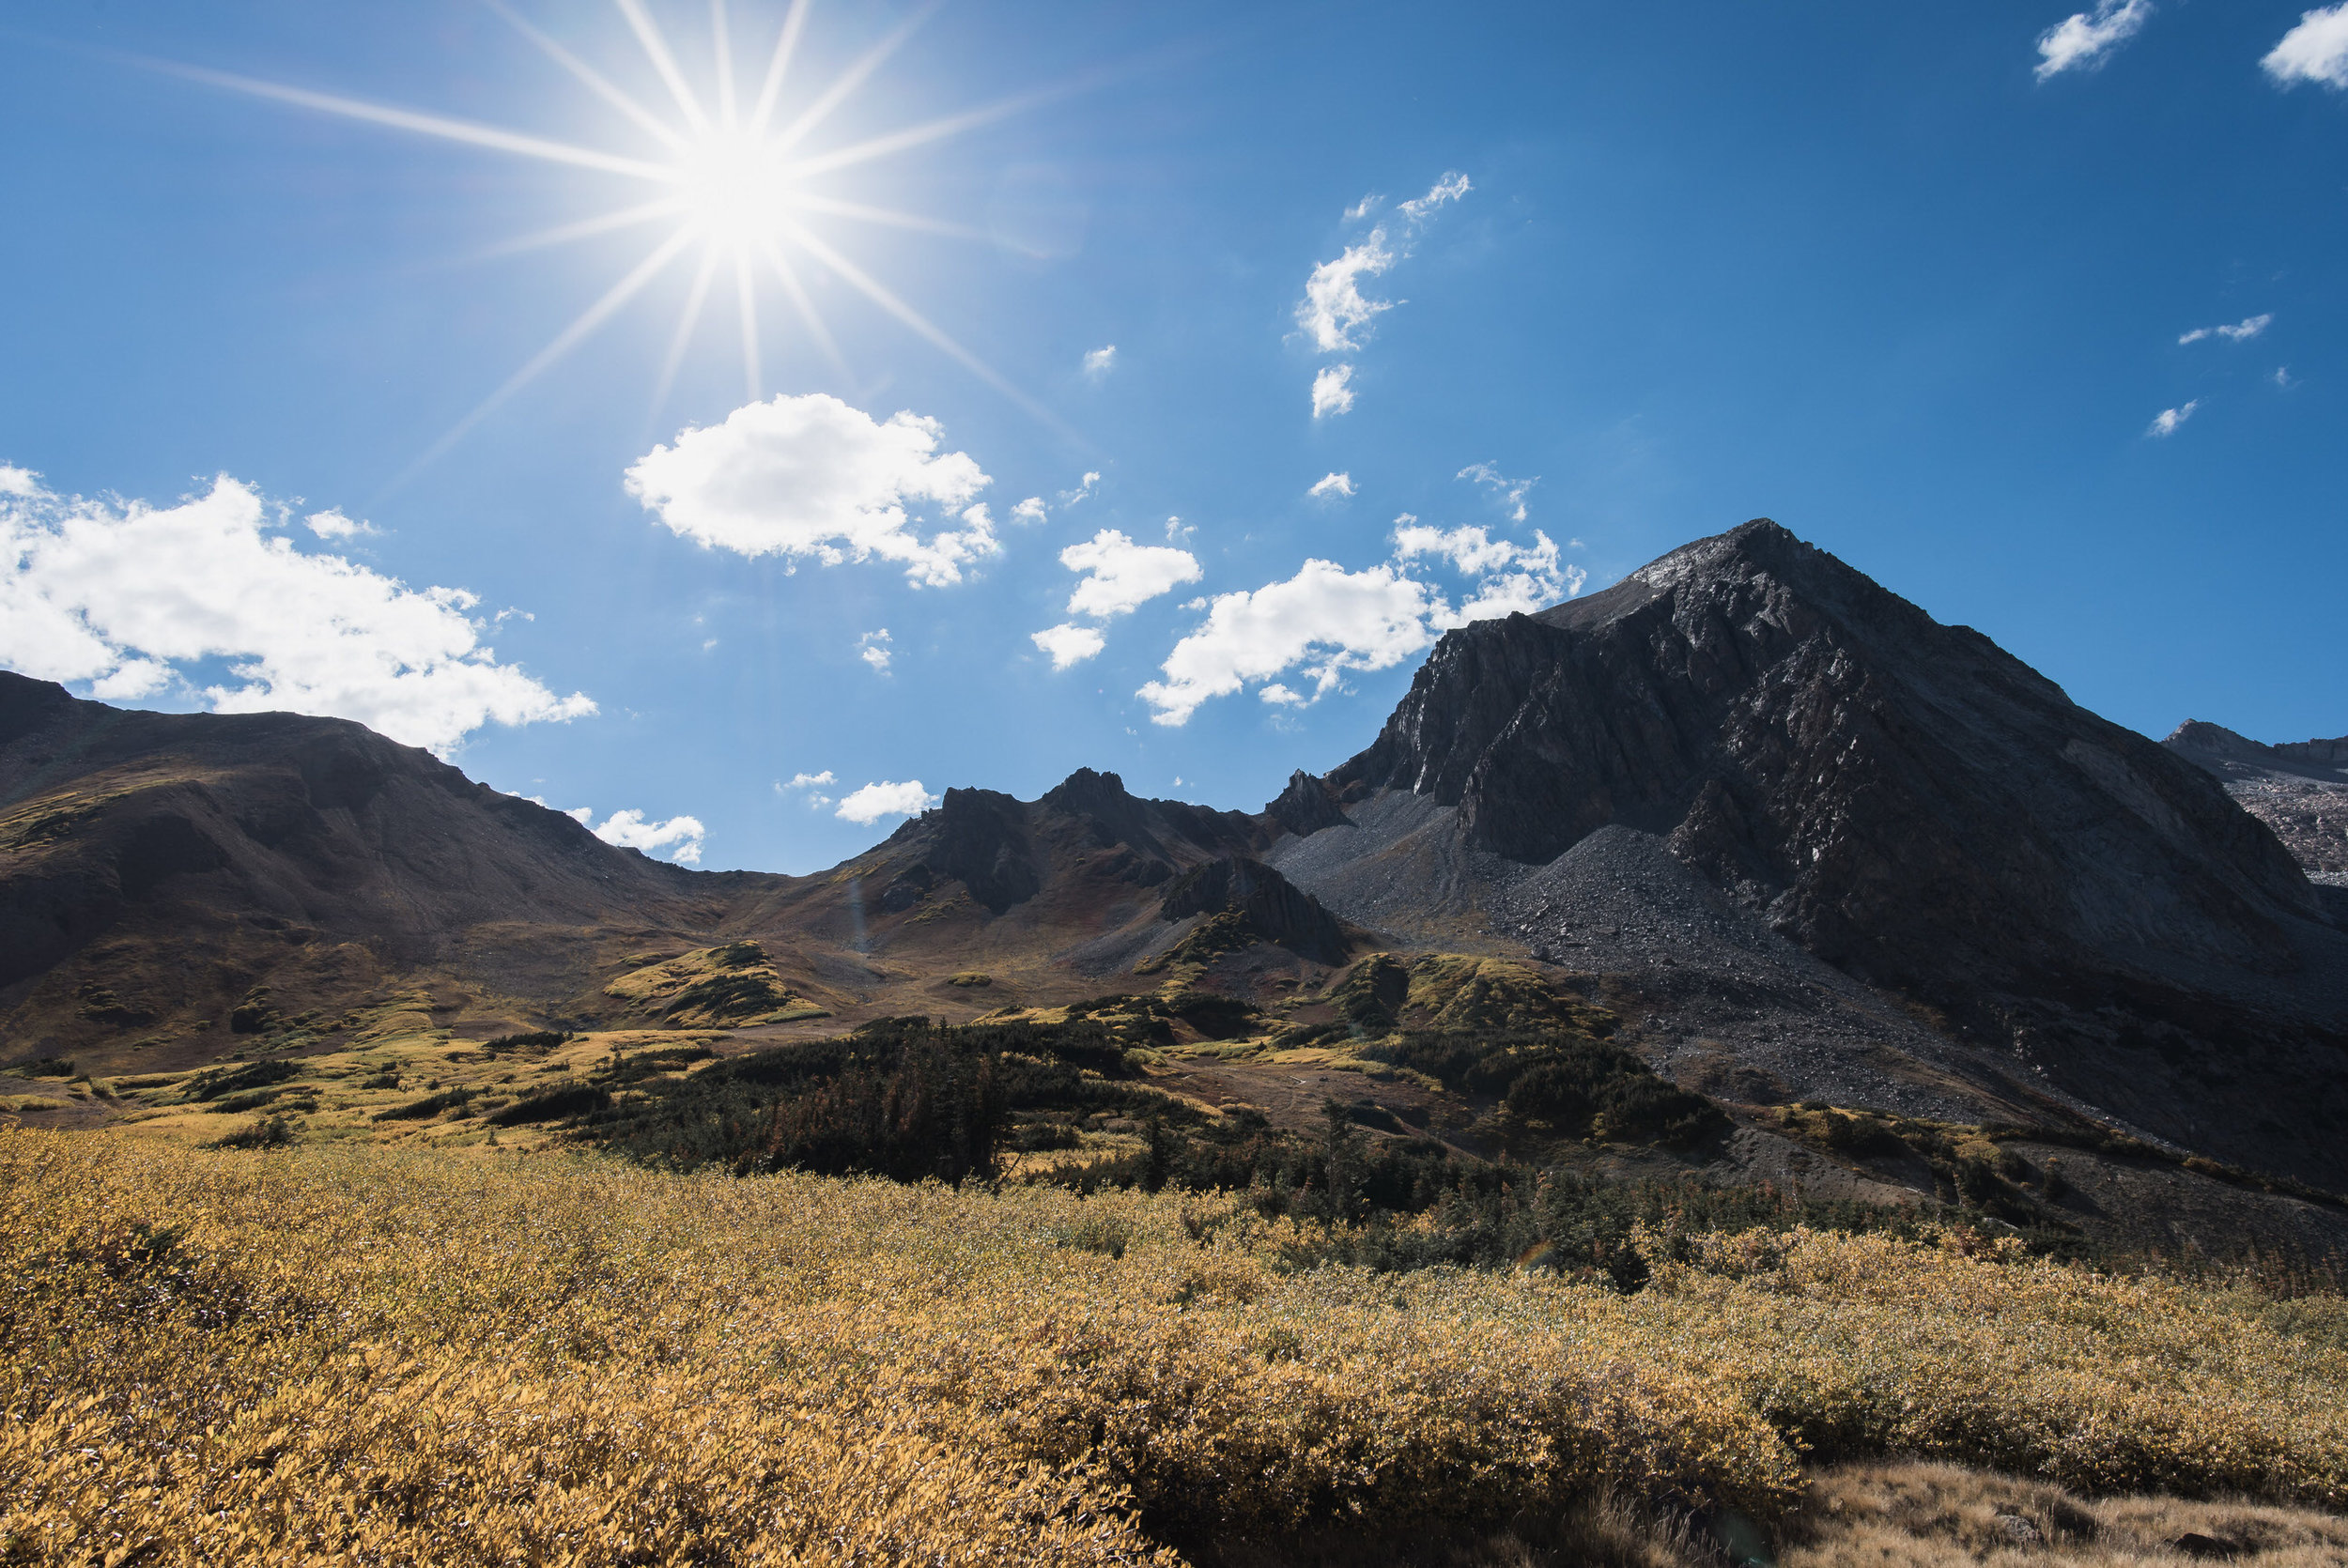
{"x": 1846, "y": 851}
{"x": 1903, "y": 798}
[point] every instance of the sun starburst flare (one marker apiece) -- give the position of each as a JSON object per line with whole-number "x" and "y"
{"x": 733, "y": 182}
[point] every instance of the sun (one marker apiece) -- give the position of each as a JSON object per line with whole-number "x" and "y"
{"x": 726, "y": 179}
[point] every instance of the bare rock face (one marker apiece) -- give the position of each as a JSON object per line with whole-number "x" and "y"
{"x": 1305, "y": 806}
{"x": 1899, "y": 798}
{"x": 2299, "y": 790}
{"x": 1273, "y": 907}
{"x": 1902, "y": 797}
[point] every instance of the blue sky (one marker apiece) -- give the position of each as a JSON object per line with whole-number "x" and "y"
{"x": 1576, "y": 283}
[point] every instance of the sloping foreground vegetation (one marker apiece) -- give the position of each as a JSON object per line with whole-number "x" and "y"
{"x": 387, "y": 1355}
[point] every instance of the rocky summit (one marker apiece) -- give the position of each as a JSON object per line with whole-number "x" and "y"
{"x": 1797, "y": 843}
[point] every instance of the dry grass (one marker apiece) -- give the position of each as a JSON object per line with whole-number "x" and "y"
{"x": 406, "y": 1355}
{"x": 1924, "y": 1515}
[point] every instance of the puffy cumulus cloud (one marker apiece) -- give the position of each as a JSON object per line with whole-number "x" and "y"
{"x": 811, "y": 478}
{"x": 1321, "y": 623}
{"x": 2082, "y": 40}
{"x": 1327, "y": 621}
{"x": 2241, "y": 331}
{"x": 2314, "y": 51}
{"x": 1069, "y": 643}
{"x": 874, "y": 649}
{"x": 1513, "y": 580}
{"x": 1511, "y": 491}
{"x": 2165, "y": 422}
{"x": 872, "y": 802}
{"x": 1122, "y": 575}
{"x": 1332, "y": 484}
{"x": 119, "y": 595}
{"x": 1101, "y": 361}
{"x": 1332, "y": 390}
{"x": 632, "y": 830}
{"x": 1030, "y": 510}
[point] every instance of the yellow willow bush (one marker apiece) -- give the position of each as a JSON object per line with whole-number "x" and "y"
{"x": 363, "y": 1354}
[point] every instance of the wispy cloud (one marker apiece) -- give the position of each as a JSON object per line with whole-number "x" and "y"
{"x": 2314, "y": 51}
{"x": 813, "y": 783}
{"x": 1334, "y": 307}
{"x": 1083, "y": 491}
{"x": 1333, "y": 391}
{"x": 1332, "y": 484}
{"x": 2165, "y": 422}
{"x": 1511, "y": 491}
{"x": 874, "y": 649}
{"x": 2239, "y": 332}
{"x": 2084, "y": 39}
{"x": 1099, "y": 362}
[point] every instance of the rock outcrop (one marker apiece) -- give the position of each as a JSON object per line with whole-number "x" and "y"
{"x": 1272, "y": 906}
{"x": 2298, "y": 789}
{"x": 1856, "y": 783}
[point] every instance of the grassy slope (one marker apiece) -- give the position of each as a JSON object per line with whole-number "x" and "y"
{"x": 403, "y": 1354}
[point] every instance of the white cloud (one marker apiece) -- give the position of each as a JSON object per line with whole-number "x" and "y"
{"x": 1449, "y": 189}
{"x": 1325, "y": 620}
{"x": 1029, "y": 511}
{"x": 2314, "y": 51}
{"x": 2240, "y": 333}
{"x": 2081, "y": 41}
{"x": 1332, "y": 307}
{"x": 120, "y": 596}
{"x": 1083, "y": 489}
{"x": 809, "y": 780}
{"x": 1512, "y": 490}
{"x": 1333, "y": 484}
{"x": 1121, "y": 574}
{"x": 1098, "y": 362}
{"x": 331, "y": 524}
{"x": 2282, "y": 378}
{"x": 1516, "y": 579}
{"x": 810, "y": 477}
{"x": 1364, "y": 207}
{"x": 1331, "y": 393}
{"x": 1069, "y": 643}
{"x": 872, "y": 803}
{"x": 2165, "y": 422}
{"x": 1178, "y": 531}
{"x": 874, "y": 649}
{"x": 630, "y": 830}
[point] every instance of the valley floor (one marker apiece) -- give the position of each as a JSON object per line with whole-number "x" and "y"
{"x": 360, "y": 1353}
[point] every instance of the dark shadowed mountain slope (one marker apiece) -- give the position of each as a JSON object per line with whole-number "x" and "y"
{"x": 1747, "y": 771}
{"x": 156, "y": 867}
{"x": 1078, "y": 887}
{"x": 2299, "y": 789}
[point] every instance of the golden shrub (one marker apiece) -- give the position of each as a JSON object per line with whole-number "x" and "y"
{"x": 353, "y": 1353}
